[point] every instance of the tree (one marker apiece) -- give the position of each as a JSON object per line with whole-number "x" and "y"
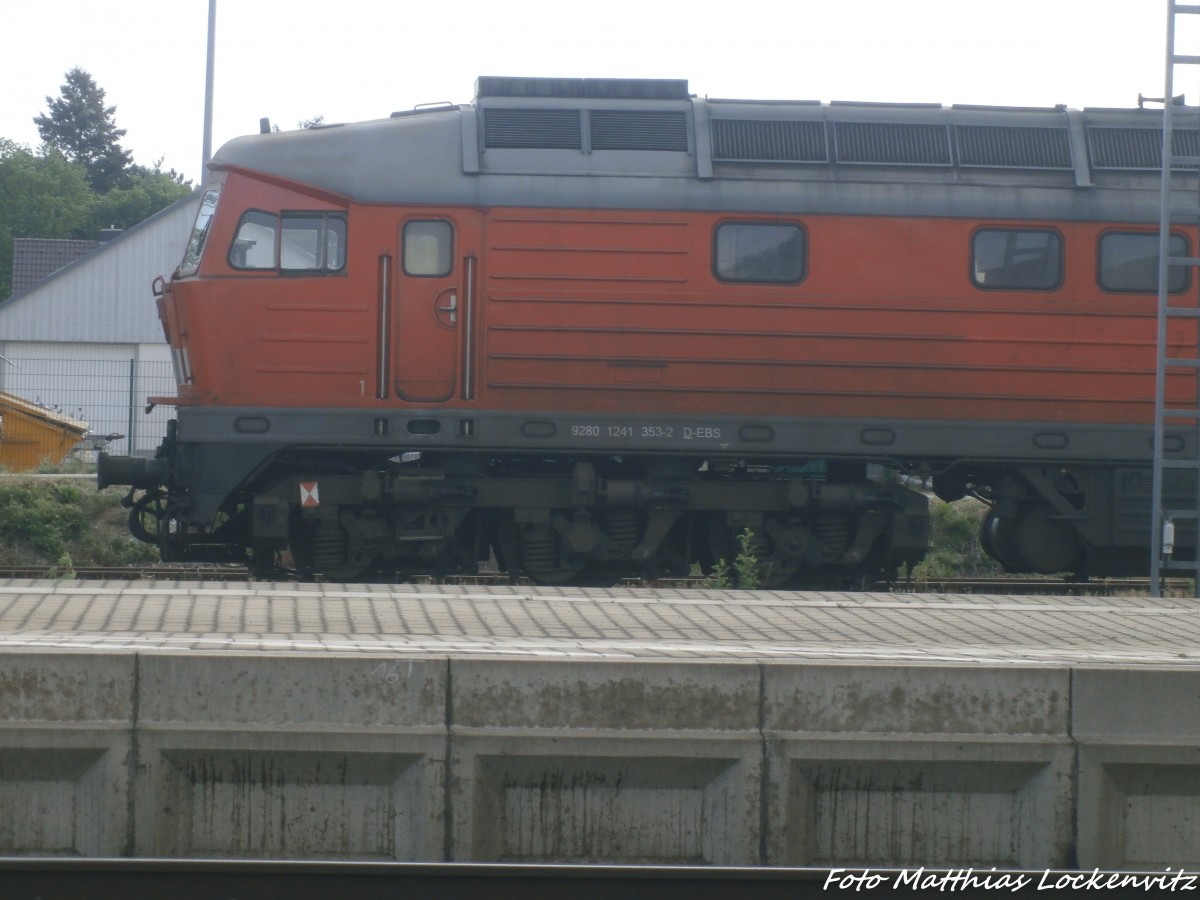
{"x": 80, "y": 180}
{"x": 83, "y": 129}
{"x": 314, "y": 122}
{"x": 145, "y": 193}
{"x": 40, "y": 196}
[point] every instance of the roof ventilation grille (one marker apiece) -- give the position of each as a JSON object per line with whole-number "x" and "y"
{"x": 1137, "y": 148}
{"x": 539, "y": 129}
{"x": 1014, "y": 148}
{"x": 638, "y": 130}
{"x": 592, "y": 88}
{"x": 884, "y": 143}
{"x": 745, "y": 140}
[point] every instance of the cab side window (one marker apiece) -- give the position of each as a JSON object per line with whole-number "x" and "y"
{"x": 314, "y": 242}
{"x": 291, "y": 243}
{"x": 254, "y": 245}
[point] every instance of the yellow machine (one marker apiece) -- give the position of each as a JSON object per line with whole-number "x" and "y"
{"x": 31, "y": 435}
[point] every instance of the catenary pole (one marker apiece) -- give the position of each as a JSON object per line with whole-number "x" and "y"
{"x": 208, "y": 88}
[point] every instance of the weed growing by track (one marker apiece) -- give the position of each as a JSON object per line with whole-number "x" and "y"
{"x": 744, "y": 573}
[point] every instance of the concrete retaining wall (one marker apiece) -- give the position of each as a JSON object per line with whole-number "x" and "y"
{"x": 726, "y": 763}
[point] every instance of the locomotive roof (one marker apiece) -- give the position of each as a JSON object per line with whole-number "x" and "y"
{"x": 611, "y": 143}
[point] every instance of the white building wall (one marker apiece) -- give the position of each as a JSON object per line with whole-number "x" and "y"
{"x": 105, "y": 296}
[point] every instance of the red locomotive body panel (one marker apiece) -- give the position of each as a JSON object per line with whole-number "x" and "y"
{"x": 881, "y": 327}
{"x": 594, "y": 312}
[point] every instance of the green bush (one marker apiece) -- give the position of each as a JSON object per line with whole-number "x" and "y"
{"x": 65, "y": 523}
{"x": 954, "y": 548}
{"x": 40, "y": 518}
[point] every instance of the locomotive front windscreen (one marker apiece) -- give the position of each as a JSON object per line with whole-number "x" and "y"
{"x": 195, "y": 248}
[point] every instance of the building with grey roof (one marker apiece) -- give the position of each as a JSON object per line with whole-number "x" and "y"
{"x": 37, "y": 258}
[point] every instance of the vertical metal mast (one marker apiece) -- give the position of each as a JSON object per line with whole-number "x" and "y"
{"x": 208, "y": 89}
{"x": 1171, "y": 526}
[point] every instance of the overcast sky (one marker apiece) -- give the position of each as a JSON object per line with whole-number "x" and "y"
{"x": 349, "y": 60}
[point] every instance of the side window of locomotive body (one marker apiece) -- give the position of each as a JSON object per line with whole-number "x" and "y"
{"x": 312, "y": 242}
{"x": 428, "y": 249}
{"x": 300, "y": 242}
{"x": 254, "y": 244}
{"x": 1129, "y": 263}
{"x": 1016, "y": 259}
{"x": 195, "y": 247}
{"x": 760, "y": 253}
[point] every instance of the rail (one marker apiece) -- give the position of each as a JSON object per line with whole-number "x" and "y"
{"x": 1102, "y": 587}
{"x": 25, "y": 879}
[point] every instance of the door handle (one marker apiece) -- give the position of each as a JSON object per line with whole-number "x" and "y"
{"x": 452, "y": 309}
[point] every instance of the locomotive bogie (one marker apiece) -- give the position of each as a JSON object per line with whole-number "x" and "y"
{"x": 578, "y": 519}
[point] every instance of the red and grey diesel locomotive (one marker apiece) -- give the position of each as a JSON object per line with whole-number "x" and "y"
{"x": 599, "y": 328}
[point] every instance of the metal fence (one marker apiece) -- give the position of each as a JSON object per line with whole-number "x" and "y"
{"x": 110, "y": 395}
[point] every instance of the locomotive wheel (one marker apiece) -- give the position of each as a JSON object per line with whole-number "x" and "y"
{"x": 996, "y": 538}
{"x": 265, "y": 565}
{"x": 146, "y": 516}
{"x": 324, "y": 551}
{"x": 544, "y": 559}
{"x": 1047, "y": 545}
{"x": 1035, "y": 541}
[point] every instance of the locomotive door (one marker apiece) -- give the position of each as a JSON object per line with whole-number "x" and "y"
{"x": 434, "y": 307}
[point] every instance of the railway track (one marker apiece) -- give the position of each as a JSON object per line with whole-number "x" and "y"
{"x": 129, "y": 573}
{"x": 207, "y": 879}
{"x": 22, "y": 879}
{"x": 1100, "y": 587}
{"x": 1105, "y": 587}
